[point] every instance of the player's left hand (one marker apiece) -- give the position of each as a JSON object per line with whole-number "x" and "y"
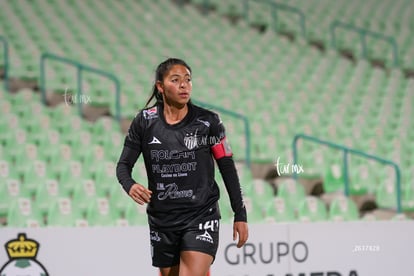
{"x": 240, "y": 230}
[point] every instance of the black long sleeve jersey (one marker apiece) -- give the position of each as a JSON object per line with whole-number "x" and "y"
{"x": 180, "y": 165}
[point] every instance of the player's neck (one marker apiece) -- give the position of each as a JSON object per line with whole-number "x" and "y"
{"x": 174, "y": 114}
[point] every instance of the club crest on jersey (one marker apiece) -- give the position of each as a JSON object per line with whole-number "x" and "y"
{"x": 150, "y": 113}
{"x": 190, "y": 140}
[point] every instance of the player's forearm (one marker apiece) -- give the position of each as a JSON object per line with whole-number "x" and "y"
{"x": 231, "y": 181}
{"x": 124, "y": 167}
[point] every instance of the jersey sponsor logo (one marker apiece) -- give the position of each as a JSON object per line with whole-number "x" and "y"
{"x": 174, "y": 170}
{"x": 171, "y": 154}
{"x": 172, "y": 192}
{"x": 154, "y": 141}
{"x": 150, "y": 113}
{"x": 191, "y": 140}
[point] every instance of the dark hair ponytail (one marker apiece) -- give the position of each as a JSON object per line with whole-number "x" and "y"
{"x": 161, "y": 71}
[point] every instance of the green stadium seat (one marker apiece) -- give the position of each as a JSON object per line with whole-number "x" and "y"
{"x": 84, "y": 192}
{"x": 16, "y": 140}
{"x": 312, "y": 209}
{"x": 111, "y": 141}
{"x": 35, "y": 175}
{"x": 105, "y": 178}
{"x": 63, "y": 213}
{"x": 48, "y": 144}
{"x": 279, "y": 211}
{"x": 25, "y": 157}
{"x": 385, "y": 195}
{"x": 292, "y": 192}
{"x": 46, "y": 194}
{"x": 99, "y": 213}
{"x": 118, "y": 199}
{"x": 263, "y": 192}
{"x": 408, "y": 197}
{"x": 79, "y": 142}
{"x": 22, "y": 213}
{"x": 94, "y": 155}
{"x": 70, "y": 178}
{"x": 333, "y": 179}
{"x": 59, "y": 160}
{"x": 255, "y": 210}
{"x": 136, "y": 214}
{"x": 343, "y": 208}
{"x": 103, "y": 126}
{"x": 7, "y": 170}
{"x": 10, "y": 189}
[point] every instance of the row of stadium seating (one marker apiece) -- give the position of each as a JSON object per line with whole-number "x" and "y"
{"x": 391, "y": 18}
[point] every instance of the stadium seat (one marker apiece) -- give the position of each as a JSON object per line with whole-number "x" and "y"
{"x": 118, "y": 199}
{"x": 99, "y": 213}
{"x": 279, "y": 211}
{"x": 312, "y": 209}
{"x": 94, "y": 154}
{"x": 7, "y": 170}
{"x": 105, "y": 178}
{"x": 46, "y": 194}
{"x": 255, "y": 210}
{"x": 385, "y": 195}
{"x": 333, "y": 179}
{"x": 22, "y": 213}
{"x": 84, "y": 192}
{"x": 71, "y": 176}
{"x": 408, "y": 197}
{"x": 292, "y": 192}
{"x": 63, "y": 213}
{"x": 343, "y": 208}
{"x": 10, "y": 190}
{"x": 136, "y": 214}
{"x": 59, "y": 160}
{"x": 48, "y": 143}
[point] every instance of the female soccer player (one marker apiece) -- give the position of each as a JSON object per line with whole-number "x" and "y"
{"x": 178, "y": 141}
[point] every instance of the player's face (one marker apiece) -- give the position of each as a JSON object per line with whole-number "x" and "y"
{"x": 176, "y": 86}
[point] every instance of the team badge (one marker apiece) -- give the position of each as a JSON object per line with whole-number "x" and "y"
{"x": 22, "y": 254}
{"x": 191, "y": 140}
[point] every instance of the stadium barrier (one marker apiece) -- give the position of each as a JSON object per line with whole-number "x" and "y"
{"x": 274, "y": 8}
{"x": 80, "y": 68}
{"x": 363, "y": 33}
{"x": 3, "y": 40}
{"x": 346, "y": 151}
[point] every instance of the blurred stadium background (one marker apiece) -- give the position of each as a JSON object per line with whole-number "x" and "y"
{"x": 74, "y": 74}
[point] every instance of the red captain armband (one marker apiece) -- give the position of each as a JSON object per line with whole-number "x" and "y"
{"x": 221, "y": 149}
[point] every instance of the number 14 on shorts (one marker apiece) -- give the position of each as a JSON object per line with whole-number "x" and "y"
{"x": 211, "y": 225}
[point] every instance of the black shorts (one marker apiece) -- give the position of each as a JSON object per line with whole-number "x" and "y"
{"x": 202, "y": 236}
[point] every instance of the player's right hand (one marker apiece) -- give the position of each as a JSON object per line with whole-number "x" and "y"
{"x": 140, "y": 194}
